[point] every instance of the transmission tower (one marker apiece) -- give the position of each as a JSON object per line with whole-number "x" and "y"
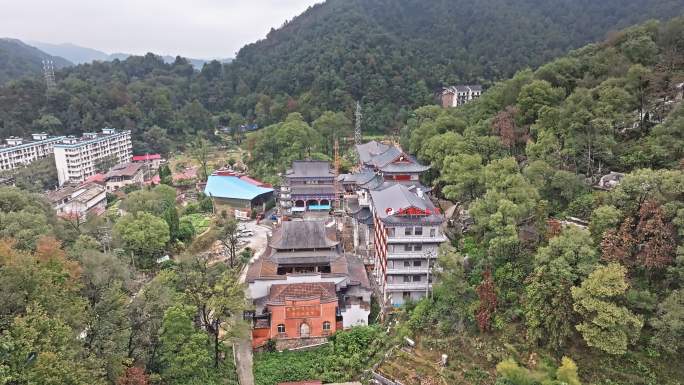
{"x": 357, "y": 127}
{"x": 49, "y": 74}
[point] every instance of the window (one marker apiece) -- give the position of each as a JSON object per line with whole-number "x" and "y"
{"x": 281, "y": 328}
{"x": 408, "y": 230}
{"x": 406, "y": 295}
{"x": 418, "y": 231}
{"x": 407, "y": 263}
{"x": 408, "y": 247}
{"x": 418, "y": 247}
{"x": 417, "y": 263}
{"x": 326, "y": 326}
{"x": 416, "y": 278}
{"x": 390, "y": 231}
{"x": 407, "y": 279}
{"x": 433, "y": 232}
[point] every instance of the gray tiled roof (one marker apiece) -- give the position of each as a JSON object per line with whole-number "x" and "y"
{"x": 368, "y": 150}
{"x": 310, "y": 169}
{"x": 404, "y": 167}
{"x": 303, "y": 235}
{"x": 398, "y": 197}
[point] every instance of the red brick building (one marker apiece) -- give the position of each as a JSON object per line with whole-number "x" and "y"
{"x": 298, "y": 310}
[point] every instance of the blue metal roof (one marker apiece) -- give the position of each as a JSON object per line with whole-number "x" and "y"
{"x": 219, "y": 186}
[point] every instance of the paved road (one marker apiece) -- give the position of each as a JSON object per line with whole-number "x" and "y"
{"x": 243, "y": 347}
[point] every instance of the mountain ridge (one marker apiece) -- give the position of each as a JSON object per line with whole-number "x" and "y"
{"x": 82, "y": 55}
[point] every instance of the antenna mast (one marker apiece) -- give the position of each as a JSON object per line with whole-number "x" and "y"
{"x": 49, "y": 74}
{"x": 357, "y": 127}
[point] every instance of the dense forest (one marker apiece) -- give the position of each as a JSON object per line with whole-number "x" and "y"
{"x": 390, "y": 55}
{"x": 18, "y": 60}
{"x": 520, "y": 286}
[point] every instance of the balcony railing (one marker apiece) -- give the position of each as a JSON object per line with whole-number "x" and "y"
{"x": 408, "y": 270}
{"x": 439, "y": 238}
{"x": 409, "y": 286}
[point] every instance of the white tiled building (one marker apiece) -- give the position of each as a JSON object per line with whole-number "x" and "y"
{"x": 76, "y": 158}
{"x": 406, "y": 237}
{"x": 17, "y": 152}
{"x": 455, "y": 96}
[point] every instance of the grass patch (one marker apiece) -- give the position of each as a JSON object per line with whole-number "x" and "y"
{"x": 200, "y": 222}
{"x": 345, "y": 358}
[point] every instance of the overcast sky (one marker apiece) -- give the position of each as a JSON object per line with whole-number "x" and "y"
{"x": 191, "y": 28}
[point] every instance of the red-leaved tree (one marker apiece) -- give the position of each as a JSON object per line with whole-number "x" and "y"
{"x": 486, "y": 291}
{"x": 656, "y": 237}
{"x": 133, "y": 376}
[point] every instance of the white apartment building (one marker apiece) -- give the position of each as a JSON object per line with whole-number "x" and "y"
{"x": 17, "y": 152}
{"x": 455, "y": 96}
{"x": 406, "y": 238}
{"x": 77, "y": 158}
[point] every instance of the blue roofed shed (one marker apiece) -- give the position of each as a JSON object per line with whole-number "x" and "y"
{"x": 237, "y": 195}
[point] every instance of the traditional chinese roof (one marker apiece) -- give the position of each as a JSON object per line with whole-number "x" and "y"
{"x": 398, "y": 203}
{"x": 388, "y": 159}
{"x": 293, "y": 235}
{"x": 310, "y": 169}
{"x": 279, "y": 293}
{"x": 411, "y": 166}
{"x": 232, "y": 187}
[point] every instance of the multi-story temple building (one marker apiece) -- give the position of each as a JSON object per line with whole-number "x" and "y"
{"x": 406, "y": 236}
{"x": 308, "y": 186}
{"x": 304, "y": 286}
{"x": 396, "y": 227}
{"x": 391, "y": 162}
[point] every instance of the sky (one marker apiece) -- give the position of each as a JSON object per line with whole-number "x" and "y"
{"x": 191, "y": 28}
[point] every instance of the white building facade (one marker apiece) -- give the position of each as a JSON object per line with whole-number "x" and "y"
{"x": 455, "y": 96}
{"x": 76, "y": 158}
{"x": 17, "y": 152}
{"x": 406, "y": 238}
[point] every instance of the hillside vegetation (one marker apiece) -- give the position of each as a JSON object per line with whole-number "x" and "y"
{"x": 18, "y": 60}
{"x": 520, "y": 290}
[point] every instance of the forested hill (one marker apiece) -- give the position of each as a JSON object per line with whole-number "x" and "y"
{"x": 392, "y": 55}
{"x": 18, "y": 60}
{"x": 396, "y": 53}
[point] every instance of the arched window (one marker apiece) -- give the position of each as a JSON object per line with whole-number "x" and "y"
{"x": 304, "y": 330}
{"x": 281, "y": 328}
{"x": 326, "y": 326}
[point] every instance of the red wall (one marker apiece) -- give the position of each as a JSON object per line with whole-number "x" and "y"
{"x": 294, "y": 313}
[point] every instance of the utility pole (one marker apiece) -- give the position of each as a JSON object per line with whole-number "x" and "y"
{"x": 357, "y": 124}
{"x": 428, "y": 255}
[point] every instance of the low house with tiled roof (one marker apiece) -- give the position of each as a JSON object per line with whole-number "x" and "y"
{"x": 77, "y": 201}
{"x": 307, "y": 252}
{"x": 124, "y": 174}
